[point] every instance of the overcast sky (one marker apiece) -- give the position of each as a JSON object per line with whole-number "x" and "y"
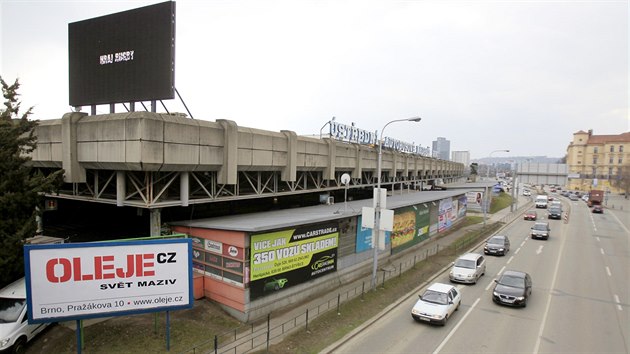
{"x": 486, "y": 75}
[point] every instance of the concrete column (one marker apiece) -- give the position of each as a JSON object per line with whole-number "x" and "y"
{"x": 329, "y": 170}
{"x": 121, "y": 188}
{"x": 73, "y": 172}
{"x": 228, "y": 173}
{"x": 184, "y": 187}
{"x": 289, "y": 172}
{"x": 358, "y": 162}
{"x": 156, "y": 222}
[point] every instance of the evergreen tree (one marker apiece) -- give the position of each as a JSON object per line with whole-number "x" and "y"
{"x": 21, "y": 186}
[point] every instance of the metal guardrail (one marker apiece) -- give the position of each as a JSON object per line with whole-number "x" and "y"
{"x": 259, "y": 335}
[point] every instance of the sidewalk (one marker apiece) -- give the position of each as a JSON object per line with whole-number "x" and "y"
{"x": 431, "y": 245}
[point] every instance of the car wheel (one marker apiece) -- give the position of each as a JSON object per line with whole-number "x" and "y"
{"x": 457, "y": 308}
{"x": 445, "y": 320}
{"x": 276, "y": 287}
{"x": 20, "y": 346}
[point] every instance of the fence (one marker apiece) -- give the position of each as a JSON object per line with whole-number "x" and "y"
{"x": 259, "y": 335}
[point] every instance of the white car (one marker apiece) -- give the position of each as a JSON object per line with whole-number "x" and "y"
{"x": 468, "y": 268}
{"x": 437, "y": 304}
{"x": 15, "y": 330}
{"x": 527, "y": 193}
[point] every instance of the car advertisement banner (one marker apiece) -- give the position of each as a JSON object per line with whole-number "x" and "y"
{"x": 74, "y": 281}
{"x": 288, "y": 257}
{"x": 411, "y": 226}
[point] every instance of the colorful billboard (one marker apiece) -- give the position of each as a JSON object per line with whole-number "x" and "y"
{"x": 285, "y": 258}
{"x": 85, "y": 280}
{"x": 411, "y": 226}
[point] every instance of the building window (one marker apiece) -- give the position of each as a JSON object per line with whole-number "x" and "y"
{"x": 594, "y": 160}
{"x": 610, "y": 161}
{"x": 620, "y": 160}
{"x": 594, "y": 174}
{"x": 612, "y": 148}
{"x": 609, "y": 172}
{"x": 620, "y": 148}
{"x": 595, "y": 150}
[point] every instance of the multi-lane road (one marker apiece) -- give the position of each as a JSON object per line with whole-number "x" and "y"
{"x": 580, "y": 301}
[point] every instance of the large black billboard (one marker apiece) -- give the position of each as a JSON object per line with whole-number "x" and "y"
{"x": 123, "y": 57}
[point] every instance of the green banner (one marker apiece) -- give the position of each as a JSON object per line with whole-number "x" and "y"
{"x": 284, "y": 251}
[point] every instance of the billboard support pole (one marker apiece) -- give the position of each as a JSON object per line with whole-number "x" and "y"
{"x": 78, "y": 333}
{"x": 168, "y": 330}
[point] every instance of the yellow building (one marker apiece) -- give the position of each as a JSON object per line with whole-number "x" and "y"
{"x": 597, "y": 161}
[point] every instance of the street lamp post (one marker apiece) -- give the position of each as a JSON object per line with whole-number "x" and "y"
{"x": 485, "y": 197}
{"x": 488, "y": 169}
{"x": 377, "y": 210}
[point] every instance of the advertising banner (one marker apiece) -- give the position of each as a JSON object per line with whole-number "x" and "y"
{"x": 445, "y": 214}
{"x": 288, "y": 257}
{"x": 411, "y": 226}
{"x": 84, "y": 280}
{"x": 364, "y": 237}
{"x": 463, "y": 206}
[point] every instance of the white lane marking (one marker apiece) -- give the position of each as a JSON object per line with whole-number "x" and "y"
{"x": 620, "y": 223}
{"x": 523, "y": 243}
{"x": 597, "y": 238}
{"x": 608, "y": 271}
{"x": 516, "y": 252}
{"x": 553, "y": 285}
{"x": 501, "y": 270}
{"x": 618, "y": 302}
{"x": 601, "y": 250}
{"x": 437, "y": 350}
{"x": 539, "y": 250}
{"x": 510, "y": 260}
{"x": 489, "y": 285}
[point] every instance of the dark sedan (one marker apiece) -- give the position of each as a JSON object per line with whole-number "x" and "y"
{"x": 554, "y": 213}
{"x": 513, "y": 288}
{"x": 598, "y": 209}
{"x": 497, "y": 244}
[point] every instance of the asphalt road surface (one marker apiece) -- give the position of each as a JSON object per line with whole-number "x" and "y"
{"x": 579, "y": 304}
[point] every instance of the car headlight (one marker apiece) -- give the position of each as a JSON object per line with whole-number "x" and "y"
{"x": 4, "y": 342}
{"x": 520, "y": 298}
{"x": 437, "y": 317}
{"x": 501, "y": 249}
{"x": 469, "y": 276}
{"x": 495, "y": 293}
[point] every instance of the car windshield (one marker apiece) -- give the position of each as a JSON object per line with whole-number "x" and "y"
{"x": 541, "y": 227}
{"x": 465, "y": 263}
{"x": 496, "y": 241}
{"x": 435, "y": 297}
{"x": 554, "y": 210}
{"x": 10, "y": 309}
{"x": 512, "y": 281}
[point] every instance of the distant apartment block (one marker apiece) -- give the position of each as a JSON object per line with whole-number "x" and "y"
{"x": 461, "y": 157}
{"x": 442, "y": 148}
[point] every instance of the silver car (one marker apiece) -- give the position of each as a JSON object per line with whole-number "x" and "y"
{"x": 468, "y": 268}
